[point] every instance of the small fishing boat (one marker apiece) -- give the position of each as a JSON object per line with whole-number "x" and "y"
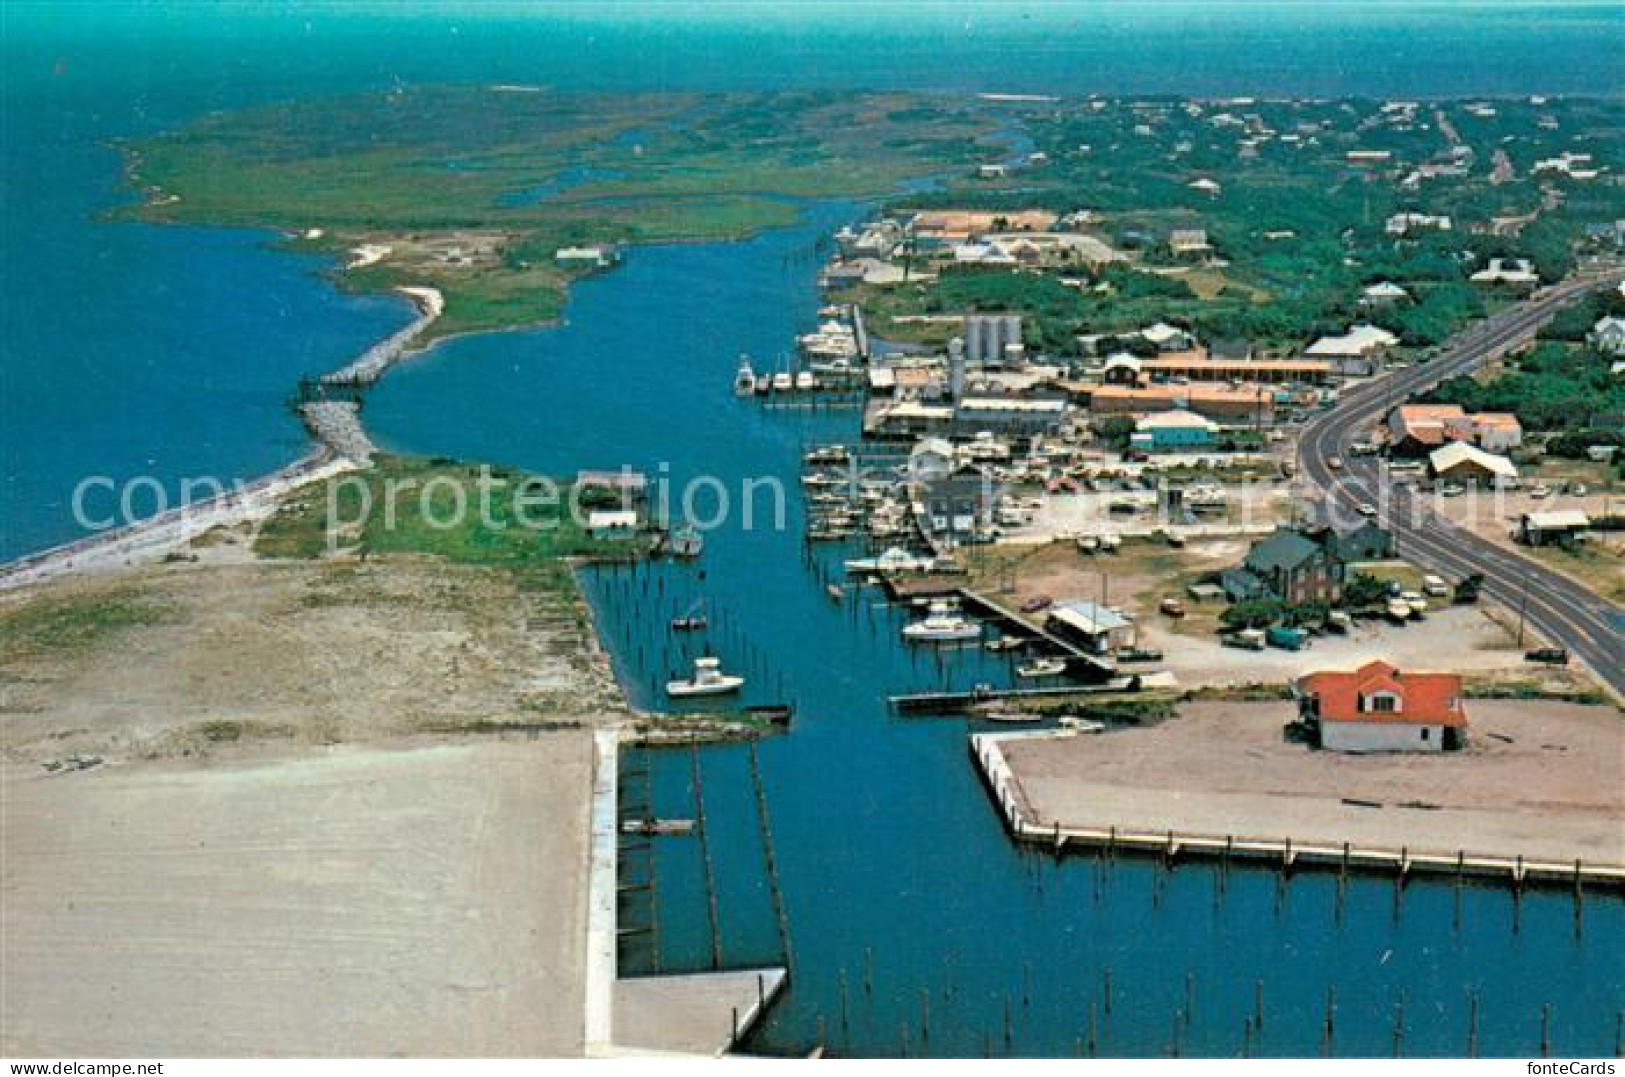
{"x": 745, "y": 379}
{"x": 1013, "y": 717}
{"x": 657, "y": 826}
{"x": 805, "y": 381}
{"x": 942, "y": 624}
{"x": 834, "y": 591}
{"x": 1005, "y": 643}
{"x": 827, "y": 454}
{"x": 693, "y": 620}
{"x": 708, "y": 680}
{"x": 783, "y": 382}
{"x": 1044, "y": 667}
{"x": 686, "y": 542}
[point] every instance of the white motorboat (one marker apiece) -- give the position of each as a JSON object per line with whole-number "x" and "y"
{"x": 783, "y": 381}
{"x": 895, "y": 559}
{"x": 942, "y": 624}
{"x": 1044, "y": 667}
{"x": 805, "y": 381}
{"x": 745, "y": 380}
{"x": 708, "y": 680}
{"x": 1013, "y": 717}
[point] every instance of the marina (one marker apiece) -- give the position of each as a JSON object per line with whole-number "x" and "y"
{"x": 1076, "y": 920}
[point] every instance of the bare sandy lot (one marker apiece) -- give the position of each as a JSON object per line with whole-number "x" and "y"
{"x": 330, "y": 808}
{"x": 1539, "y": 779}
{"x": 427, "y": 901}
{"x": 224, "y": 659}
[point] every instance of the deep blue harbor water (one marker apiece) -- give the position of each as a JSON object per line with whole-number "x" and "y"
{"x": 129, "y": 349}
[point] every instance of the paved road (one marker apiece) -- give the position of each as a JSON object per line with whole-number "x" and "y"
{"x": 1554, "y": 605}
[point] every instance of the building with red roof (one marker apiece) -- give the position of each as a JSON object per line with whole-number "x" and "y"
{"x": 1379, "y": 708}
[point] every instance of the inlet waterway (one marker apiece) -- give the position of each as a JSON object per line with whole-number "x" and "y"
{"x": 132, "y": 350}
{"x": 911, "y": 912}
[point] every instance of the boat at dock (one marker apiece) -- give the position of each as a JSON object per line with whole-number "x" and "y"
{"x": 1044, "y": 667}
{"x": 708, "y": 680}
{"x": 657, "y": 826}
{"x": 896, "y": 559}
{"x": 693, "y": 620}
{"x": 745, "y": 379}
{"x": 1012, "y": 717}
{"x": 942, "y": 624}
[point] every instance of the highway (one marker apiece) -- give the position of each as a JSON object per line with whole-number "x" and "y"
{"x": 1558, "y": 608}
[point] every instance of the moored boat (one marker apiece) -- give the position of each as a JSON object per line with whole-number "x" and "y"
{"x": 942, "y": 624}
{"x": 708, "y": 680}
{"x": 1044, "y": 667}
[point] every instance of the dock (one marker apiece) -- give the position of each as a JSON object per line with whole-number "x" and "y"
{"x": 1278, "y": 851}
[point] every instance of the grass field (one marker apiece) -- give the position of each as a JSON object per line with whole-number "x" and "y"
{"x": 538, "y": 170}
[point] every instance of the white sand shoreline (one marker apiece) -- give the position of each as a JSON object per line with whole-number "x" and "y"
{"x": 151, "y": 539}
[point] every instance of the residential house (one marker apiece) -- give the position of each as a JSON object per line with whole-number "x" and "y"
{"x": 1378, "y": 708}
{"x": 1189, "y": 243}
{"x": 1608, "y": 336}
{"x": 1382, "y": 294}
{"x": 1414, "y": 429}
{"x": 1403, "y": 224}
{"x": 1366, "y": 541}
{"x": 1168, "y": 338}
{"x": 931, "y": 459}
{"x": 1517, "y": 274}
{"x": 960, "y": 505}
{"x": 1288, "y": 566}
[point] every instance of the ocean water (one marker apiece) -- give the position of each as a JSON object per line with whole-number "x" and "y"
{"x": 129, "y": 349}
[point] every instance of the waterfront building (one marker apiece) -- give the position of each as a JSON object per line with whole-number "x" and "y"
{"x": 1098, "y": 629}
{"x": 1173, "y": 431}
{"x": 1378, "y": 708}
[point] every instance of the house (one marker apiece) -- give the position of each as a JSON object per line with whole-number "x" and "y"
{"x": 1189, "y": 243}
{"x": 1460, "y": 462}
{"x": 1168, "y": 338}
{"x": 1288, "y": 566}
{"x": 1496, "y": 431}
{"x": 1403, "y": 224}
{"x": 1206, "y": 186}
{"x": 1608, "y": 336}
{"x": 1357, "y": 352}
{"x": 931, "y": 459}
{"x": 612, "y": 523}
{"x": 1095, "y": 628}
{"x": 1382, "y": 294}
{"x": 1378, "y": 708}
{"x": 1513, "y": 273}
{"x": 1417, "y": 428}
{"x": 1173, "y": 431}
{"x": 959, "y": 505}
{"x": 1367, "y": 541}
{"x": 1562, "y": 528}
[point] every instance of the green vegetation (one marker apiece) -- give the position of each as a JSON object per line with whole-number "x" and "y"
{"x": 1297, "y": 230}
{"x": 413, "y": 505}
{"x": 473, "y": 189}
{"x": 65, "y": 624}
{"x": 1553, "y": 386}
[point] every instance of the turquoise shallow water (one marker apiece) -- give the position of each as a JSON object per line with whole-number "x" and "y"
{"x": 124, "y": 345}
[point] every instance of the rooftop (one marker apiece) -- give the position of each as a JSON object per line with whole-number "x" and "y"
{"x": 1425, "y": 698}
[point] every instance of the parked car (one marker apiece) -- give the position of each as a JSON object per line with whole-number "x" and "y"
{"x": 1172, "y": 607}
{"x": 1435, "y": 586}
